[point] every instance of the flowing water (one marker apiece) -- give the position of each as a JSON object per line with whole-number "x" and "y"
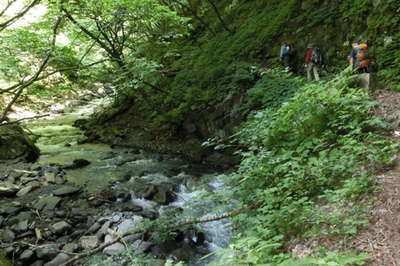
{"x": 59, "y": 143}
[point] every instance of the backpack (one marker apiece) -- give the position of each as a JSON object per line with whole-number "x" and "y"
{"x": 292, "y": 50}
{"x": 362, "y": 56}
{"x": 316, "y": 57}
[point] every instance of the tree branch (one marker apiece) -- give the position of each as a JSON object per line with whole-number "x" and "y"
{"x": 9, "y": 3}
{"x": 205, "y": 219}
{"x": 219, "y": 16}
{"x": 91, "y": 35}
{"x": 10, "y": 21}
{"x": 36, "y": 75}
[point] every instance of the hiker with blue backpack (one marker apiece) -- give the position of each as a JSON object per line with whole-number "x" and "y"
{"x": 286, "y": 55}
{"x": 313, "y": 61}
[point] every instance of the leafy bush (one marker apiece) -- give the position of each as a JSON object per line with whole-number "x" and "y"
{"x": 304, "y": 164}
{"x": 273, "y": 89}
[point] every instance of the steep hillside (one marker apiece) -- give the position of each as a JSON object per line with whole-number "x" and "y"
{"x": 209, "y": 83}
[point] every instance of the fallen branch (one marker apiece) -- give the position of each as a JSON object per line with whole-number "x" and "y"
{"x": 23, "y": 119}
{"x": 204, "y": 219}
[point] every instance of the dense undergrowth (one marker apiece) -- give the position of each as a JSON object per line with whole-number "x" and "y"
{"x": 207, "y": 67}
{"x": 310, "y": 166}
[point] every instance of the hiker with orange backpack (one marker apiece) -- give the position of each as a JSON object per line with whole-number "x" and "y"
{"x": 359, "y": 58}
{"x": 362, "y": 59}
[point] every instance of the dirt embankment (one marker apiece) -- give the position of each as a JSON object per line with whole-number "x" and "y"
{"x": 381, "y": 239}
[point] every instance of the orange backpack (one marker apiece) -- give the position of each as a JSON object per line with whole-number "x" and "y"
{"x": 362, "y": 56}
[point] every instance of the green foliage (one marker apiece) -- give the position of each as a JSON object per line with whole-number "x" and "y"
{"x": 330, "y": 259}
{"x": 389, "y": 62}
{"x": 273, "y": 89}
{"x": 307, "y": 165}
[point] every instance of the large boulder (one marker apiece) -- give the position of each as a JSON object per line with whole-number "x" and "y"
{"x": 15, "y": 143}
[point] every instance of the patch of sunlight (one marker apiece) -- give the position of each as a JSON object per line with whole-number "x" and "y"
{"x": 34, "y": 15}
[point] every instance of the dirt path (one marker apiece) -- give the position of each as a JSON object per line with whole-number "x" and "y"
{"x": 381, "y": 240}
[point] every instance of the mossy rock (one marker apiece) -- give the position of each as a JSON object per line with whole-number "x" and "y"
{"x": 15, "y": 143}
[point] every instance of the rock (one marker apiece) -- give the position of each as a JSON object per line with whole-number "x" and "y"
{"x": 65, "y": 190}
{"x": 48, "y": 203}
{"x": 116, "y": 218}
{"x": 129, "y": 225}
{"x": 89, "y": 242}
{"x": 96, "y": 226}
{"x": 149, "y": 214}
{"x": 61, "y": 214}
{"x": 60, "y": 180}
{"x": 11, "y": 208}
{"x": 21, "y": 227}
{"x": 78, "y": 163}
{"x": 365, "y": 81}
{"x": 132, "y": 238}
{"x": 8, "y": 236}
{"x": 114, "y": 249}
{"x": 50, "y": 177}
{"x": 24, "y": 191}
{"x": 60, "y": 259}
{"x": 141, "y": 246}
{"x": 15, "y": 143}
{"x": 27, "y": 255}
{"x": 164, "y": 197}
{"x": 60, "y": 228}
{"x": 103, "y": 230}
{"x": 48, "y": 252}
{"x": 38, "y": 263}
{"x": 181, "y": 254}
{"x": 34, "y": 184}
{"x": 70, "y": 247}
{"x": 8, "y": 189}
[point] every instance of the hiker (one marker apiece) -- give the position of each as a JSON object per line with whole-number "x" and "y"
{"x": 362, "y": 59}
{"x": 286, "y": 55}
{"x": 313, "y": 61}
{"x": 353, "y": 54}
{"x": 359, "y": 58}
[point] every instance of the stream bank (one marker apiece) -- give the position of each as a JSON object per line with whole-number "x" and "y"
{"x": 77, "y": 192}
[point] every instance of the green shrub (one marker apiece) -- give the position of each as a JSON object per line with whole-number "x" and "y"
{"x": 304, "y": 164}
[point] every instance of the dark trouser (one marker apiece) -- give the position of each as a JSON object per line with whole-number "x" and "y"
{"x": 286, "y": 62}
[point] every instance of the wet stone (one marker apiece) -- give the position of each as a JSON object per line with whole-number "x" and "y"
{"x": 116, "y": 218}
{"x": 21, "y": 227}
{"x": 47, "y": 203}
{"x": 65, "y": 190}
{"x": 60, "y": 227}
{"x": 60, "y": 259}
{"x": 7, "y": 235}
{"x": 60, "y": 180}
{"x": 47, "y": 253}
{"x": 129, "y": 225}
{"x": 38, "y": 263}
{"x": 50, "y": 177}
{"x": 103, "y": 230}
{"x": 11, "y": 208}
{"x": 96, "y": 226}
{"x": 8, "y": 189}
{"x": 114, "y": 249}
{"x": 70, "y": 247}
{"x": 141, "y": 246}
{"x": 78, "y": 163}
{"x": 24, "y": 191}
{"x": 26, "y": 255}
{"x": 89, "y": 242}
